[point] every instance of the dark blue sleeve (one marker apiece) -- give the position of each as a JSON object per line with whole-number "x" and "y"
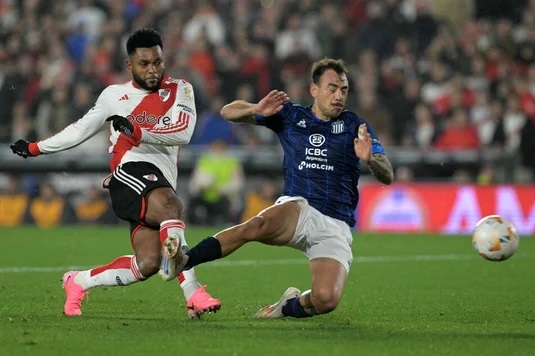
{"x": 275, "y": 122}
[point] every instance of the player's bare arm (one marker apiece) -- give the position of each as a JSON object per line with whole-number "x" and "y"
{"x": 381, "y": 168}
{"x": 244, "y": 112}
{"x": 379, "y": 165}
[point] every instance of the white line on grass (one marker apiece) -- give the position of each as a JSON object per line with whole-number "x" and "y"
{"x": 272, "y": 262}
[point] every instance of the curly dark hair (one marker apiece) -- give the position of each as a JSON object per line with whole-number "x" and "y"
{"x": 143, "y": 38}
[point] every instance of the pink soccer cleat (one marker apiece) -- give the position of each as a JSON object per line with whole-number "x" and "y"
{"x": 74, "y": 295}
{"x": 201, "y": 302}
{"x": 274, "y": 311}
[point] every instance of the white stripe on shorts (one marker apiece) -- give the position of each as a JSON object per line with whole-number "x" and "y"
{"x": 129, "y": 180}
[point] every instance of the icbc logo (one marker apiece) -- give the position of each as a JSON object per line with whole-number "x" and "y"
{"x": 149, "y": 119}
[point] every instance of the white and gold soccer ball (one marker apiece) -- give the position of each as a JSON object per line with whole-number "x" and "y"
{"x": 495, "y": 238}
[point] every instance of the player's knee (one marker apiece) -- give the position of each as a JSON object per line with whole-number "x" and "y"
{"x": 325, "y": 300}
{"x": 148, "y": 265}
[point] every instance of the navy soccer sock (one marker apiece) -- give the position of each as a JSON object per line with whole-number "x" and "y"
{"x": 294, "y": 309}
{"x": 207, "y": 250}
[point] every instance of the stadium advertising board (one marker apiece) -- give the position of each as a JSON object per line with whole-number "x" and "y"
{"x": 443, "y": 208}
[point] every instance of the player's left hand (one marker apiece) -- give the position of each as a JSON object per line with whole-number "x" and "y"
{"x": 363, "y": 144}
{"x": 124, "y": 126}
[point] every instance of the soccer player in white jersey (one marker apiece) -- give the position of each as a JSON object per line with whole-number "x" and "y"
{"x": 324, "y": 146}
{"x": 149, "y": 118}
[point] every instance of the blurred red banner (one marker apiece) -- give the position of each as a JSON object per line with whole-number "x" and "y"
{"x": 443, "y": 208}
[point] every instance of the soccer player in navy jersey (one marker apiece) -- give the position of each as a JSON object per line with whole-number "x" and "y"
{"x": 324, "y": 146}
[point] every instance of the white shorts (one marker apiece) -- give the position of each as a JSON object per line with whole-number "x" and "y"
{"x": 319, "y": 235}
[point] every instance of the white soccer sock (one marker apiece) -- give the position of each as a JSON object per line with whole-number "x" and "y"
{"x": 170, "y": 227}
{"x": 188, "y": 282}
{"x": 121, "y": 272}
{"x": 187, "y": 279}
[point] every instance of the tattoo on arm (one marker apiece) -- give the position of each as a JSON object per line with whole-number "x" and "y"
{"x": 381, "y": 168}
{"x": 309, "y": 307}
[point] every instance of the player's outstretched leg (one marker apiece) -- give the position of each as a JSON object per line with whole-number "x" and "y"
{"x": 121, "y": 272}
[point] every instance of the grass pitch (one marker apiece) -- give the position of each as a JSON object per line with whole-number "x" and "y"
{"x": 406, "y": 295}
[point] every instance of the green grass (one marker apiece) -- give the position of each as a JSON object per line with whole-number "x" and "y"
{"x": 454, "y": 304}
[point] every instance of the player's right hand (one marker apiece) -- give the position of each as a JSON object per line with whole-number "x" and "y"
{"x": 271, "y": 103}
{"x": 21, "y": 148}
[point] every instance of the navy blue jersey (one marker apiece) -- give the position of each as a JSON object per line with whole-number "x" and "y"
{"x": 319, "y": 159}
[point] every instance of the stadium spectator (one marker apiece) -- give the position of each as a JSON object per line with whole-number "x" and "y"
{"x": 215, "y": 186}
{"x": 377, "y": 33}
{"x": 422, "y": 132}
{"x": 316, "y": 221}
{"x": 205, "y": 22}
{"x": 49, "y": 208}
{"x": 13, "y": 203}
{"x": 485, "y": 116}
{"x": 508, "y": 131}
{"x": 54, "y": 110}
{"x": 211, "y": 128}
{"x": 458, "y": 134}
{"x": 259, "y": 199}
{"x": 93, "y": 207}
{"x": 22, "y": 123}
{"x": 487, "y": 42}
{"x": 376, "y": 116}
{"x": 143, "y": 183}
{"x": 527, "y": 146}
{"x": 403, "y": 108}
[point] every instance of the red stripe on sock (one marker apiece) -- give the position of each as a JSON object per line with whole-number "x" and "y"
{"x": 181, "y": 278}
{"x": 175, "y": 223}
{"x": 121, "y": 262}
{"x": 135, "y": 269}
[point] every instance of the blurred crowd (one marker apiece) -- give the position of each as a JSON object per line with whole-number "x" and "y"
{"x": 427, "y": 74}
{"x": 450, "y": 74}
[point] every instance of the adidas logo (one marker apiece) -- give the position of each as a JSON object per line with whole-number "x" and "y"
{"x": 302, "y": 123}
{"x": 124, "y": 97}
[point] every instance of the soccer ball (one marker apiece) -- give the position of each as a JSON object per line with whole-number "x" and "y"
{"x": 495, "y": 238}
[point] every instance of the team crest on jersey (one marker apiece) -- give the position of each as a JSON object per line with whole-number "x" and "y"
{"x": 151, "y": 177}
{"x": 164, "y": 94}
{"x": 188, "y": 92}
{"x": 338, "y": 127}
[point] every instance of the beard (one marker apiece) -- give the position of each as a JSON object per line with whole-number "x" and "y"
{"x": 144, "y": 85}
